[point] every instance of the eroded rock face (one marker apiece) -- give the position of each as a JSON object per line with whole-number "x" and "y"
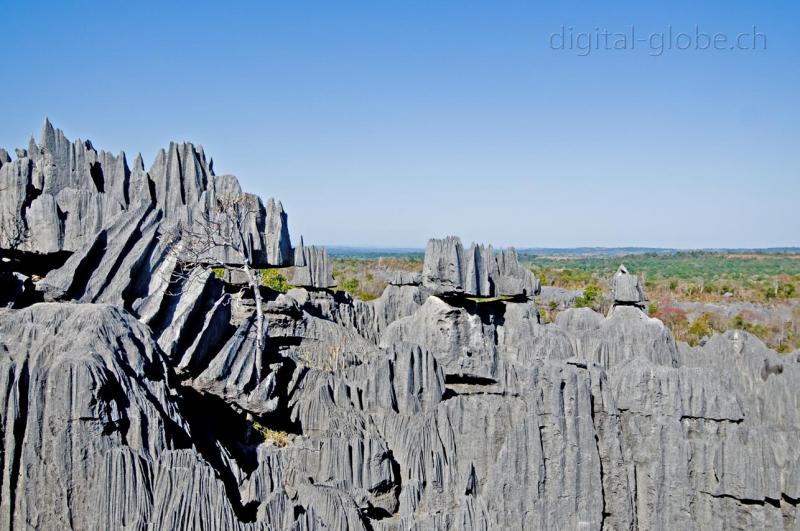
{"x": 92, "y": 430}
{"x": 59, "y": 194}
{"x": 478, "y": 271}
{"x": 626, "y": 289}
{"x": 312, "y": 267}
{"x": 134, "y": 398}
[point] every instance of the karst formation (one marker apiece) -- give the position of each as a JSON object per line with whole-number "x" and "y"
{"x": 145, "y": 385}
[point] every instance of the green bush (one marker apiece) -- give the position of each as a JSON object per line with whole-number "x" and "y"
{"x": 760, "y": 331}
{"x": 591, "y": 295}
{"x": 700, "y": 328}
{"x": 274, "y": 280}
{"x": 673, "y": 285}
{"x": 786, "y": 290}
{"x": 350, "y": 285}
{"x": 277, "y": 437}
{"x": 781, "y": 290}
{"x": 544, "y": 316}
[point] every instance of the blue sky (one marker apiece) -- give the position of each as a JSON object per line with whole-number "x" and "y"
{"x": 385, "y": 123}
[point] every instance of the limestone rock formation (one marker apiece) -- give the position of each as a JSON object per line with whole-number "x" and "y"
{"x": 405, "y": 278}
{"x": 477, "y": 272}
{"x": 59, "y": 194}
{"x": 93, "y": 433}
{"x": 138, "y": 394}
{"x": 627, "y": 289}
{"x": 312, "y": 267}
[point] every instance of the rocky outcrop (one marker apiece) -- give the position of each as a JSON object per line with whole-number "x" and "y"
{"x": 277, "y": 241}
{"x": 92, "y": 430}
{"x": 477, "y": 272}
{"x": 17, "y": 289}
{"x": 140, "y": 395}
{"x": 626, "y": 289}
{"x": 405, "y": 278}
{"x": 557, "y": 298}
{"x": 59, "y": 194}
{"x": 312, "y": 267}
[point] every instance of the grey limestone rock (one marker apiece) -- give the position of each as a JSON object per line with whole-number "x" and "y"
{"x": 140, "y": 398}
{"x": 443, "y": 268}
{"x": 141, "y": 188}
{"x": 312, "y": 268}
{"x": 626, "y": 288}
{"x": 15, "y": 178}
{"x": 626, "y": 333}
{"x": 456, "y": 337}
{"x": 405, "y": 278}
{"x": 561, "y": 298}
{"x": 478, "y": 271}
{"x": 232, "y": 373}
{"x": 64, "y": 192}
{"x": 109, "y": 262}
{"x": 16, "y": 287}
{"x": 88, "y": 411}
{"x": 579, "y": 319}
{"x": 512, "y": 278}
{"x": 278, "y": 242}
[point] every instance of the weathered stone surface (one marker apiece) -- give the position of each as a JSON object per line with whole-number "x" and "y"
{"x": 232, "y": 373}
{"x": 278, "y": 242}
{"x": 626, "y": 288}
{"x": 15, "y": 178}
{"x": 457, "y": 338}
{"x": 478, "y": 271}
{"x": 91, "y": 430}
{"x": 512, "y": 278}
{"x": 560, "y": 298}
{"x": 64, "y": 192}
{"x": 109, "y": 262}
{"x": 405, "y": 278}
{"x": 579, "y": 320}
{"x": 628, "y": 333}
{"x": 444, "y": 266}
{"x": 16, "y": 287}
{"x": 312, "y": 268}
{"x": 442, "y": 405}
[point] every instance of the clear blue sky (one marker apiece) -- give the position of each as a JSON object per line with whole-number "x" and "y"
{"x": 385, "y": 123}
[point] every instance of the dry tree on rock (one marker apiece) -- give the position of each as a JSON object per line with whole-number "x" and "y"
{"x": 13, "y": 231}
{"x": 220, "y": 237}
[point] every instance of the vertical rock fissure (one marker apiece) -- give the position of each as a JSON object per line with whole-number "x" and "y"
{"x": 604, "y": 513}
{"x": 20, "y": 427}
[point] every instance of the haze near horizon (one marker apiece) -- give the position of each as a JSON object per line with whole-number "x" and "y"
{"x": 384, "y": 125}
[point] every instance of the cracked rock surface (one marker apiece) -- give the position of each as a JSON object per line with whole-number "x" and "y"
{"x": 135, "y": 396}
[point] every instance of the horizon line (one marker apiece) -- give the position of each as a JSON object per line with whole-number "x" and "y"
{"x": 572, "y": 248}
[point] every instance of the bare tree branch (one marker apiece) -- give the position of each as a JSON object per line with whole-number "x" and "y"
{"x": 220, "y": 238}
{"x": 13, "y": 232}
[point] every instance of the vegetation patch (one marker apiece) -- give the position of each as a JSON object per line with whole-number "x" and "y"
{"x": 490, "y": 299}
{"x": 592, "y": 294}
{"x": 277, "y": 437}
{"x": 670, "y": 279}
{"x": 274, "y": 280}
